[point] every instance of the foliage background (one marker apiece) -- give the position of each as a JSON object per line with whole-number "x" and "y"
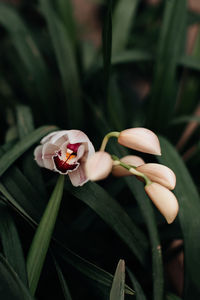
{"x": 145, "y": 73}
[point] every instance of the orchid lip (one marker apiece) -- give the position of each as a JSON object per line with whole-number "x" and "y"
{"x": 68, "y": 163}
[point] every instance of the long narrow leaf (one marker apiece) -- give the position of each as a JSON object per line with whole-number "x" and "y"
{"x": 139, "y": 293}
{"x": 147, "y": 211}
{"x": 117, "y": 290}
{"x": 123, "y": 18}
{"x": 42, "y": 237}
{"x": 11, "y": 243}
{"x": 164, "y": 90}
{"x": 111, "y": 212}
{"x": 67, "y": 64}
{"x": 19, "y": 148}
{"x": 11, "y": 286}
{"x": 189, "y": 202}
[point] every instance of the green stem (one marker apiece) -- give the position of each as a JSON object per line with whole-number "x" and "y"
{"x": 106, "y": 138}
{"x": 131, "y": 169}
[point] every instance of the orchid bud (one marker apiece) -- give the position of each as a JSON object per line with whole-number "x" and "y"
{"x": 140, "y": 139}
{"x": 131, "y": 160}
{"x": 160, "y": 174}
{"x": 164, "y": 200}
{"x": 98, "y": 166}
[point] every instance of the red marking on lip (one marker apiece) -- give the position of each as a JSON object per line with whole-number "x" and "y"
{"x": 73, "y": 147}
{"x": 62, "y": 165}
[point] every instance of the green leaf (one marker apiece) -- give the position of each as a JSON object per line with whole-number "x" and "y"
{"x": 170, "y": 47}
{"x": 185, "y": 119}
{"x": 117, "y": 290}
{"x": 107, "y": 44}
{"x": 172, "y": 297}
{"x": 20, "y": 147}
{"x": 189, "y": 203}
{"x": 65, "y": 289}
{"x": 139, "y": 293}
{"x": 84, "y": 266}
{"x": 90, "y": 270}
{"x": 11, "y": 243}
{"x": 131, "y": 56}
{"x": 24, "y": 120}
{"x": 42, "y": 237}
{"x": 190, "y": 62}
{"x": 67, "y": 64}
{"x": 29, "y": 55}
{"x": 10, "y": 285}
{"x": 137, "y": 189}
{"x": 123, "y": 18}
{"x": 111, "y": 212}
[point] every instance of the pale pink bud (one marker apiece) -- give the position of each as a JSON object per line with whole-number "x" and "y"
{"x": 164, "y": 200}
{"x": 131, "y": 160}
{"x": 65, "y": 152}
{"x": 160, "y": 174}
{"x": 98, "y": 166}
{"x": 140, "y": 139}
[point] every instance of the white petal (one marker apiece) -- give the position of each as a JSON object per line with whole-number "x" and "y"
{"x": 48, "y": 137}
{"x": 38, "y": 155}
{"x": 78, "y": 177}
{"x": 48, "y": 152}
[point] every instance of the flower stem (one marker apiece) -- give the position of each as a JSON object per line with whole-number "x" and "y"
{"x": 131, "y": 169}
{"x": 106, "y": 138}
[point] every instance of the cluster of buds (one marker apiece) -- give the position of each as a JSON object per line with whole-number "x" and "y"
{"x": 159, "y": 179}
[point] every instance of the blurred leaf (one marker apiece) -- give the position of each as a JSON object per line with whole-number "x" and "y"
{"x": 123, "y": 18}
{"x": 117, "y": 290}
{"x": 131, "y": 56}
{"x": 84, "y": 266}
{"x": 65, "y": 289}
{"x": 139, "y": 294}
{"x": 11, "y": 243}
{"x": 170, "y": 47}
{"x": 189, "y": 202}
{"x": 145, "y": 205}
{"x": 112, "y": 213}
{"x": 67, "y": 64}
{"x": 11, "y": 286}
{"x": 172, "y": 297}
{"x": 24, "y": 120}
{"x": 40, "y": 244}
{"x": 29, "y": 54}
{"x": 20, "y": 147}
{"x": 88, "y": 269}
{"x": 107, "y": 44}
{"x": 65, "y": 9}
{"x": 190, "y": 62}
{"x": 185, "y": 119}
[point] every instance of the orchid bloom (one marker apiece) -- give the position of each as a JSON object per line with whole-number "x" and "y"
{"x": 65, "y": 152}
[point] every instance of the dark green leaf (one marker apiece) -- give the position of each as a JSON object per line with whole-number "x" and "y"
{"x": 189, "y": 202}
{"x": 123, "y": 18}
{"x": 117, "y": 290}
{"x": 19, "y": 148}
{"x": 40, "y": 244}
{"x": 170, "y": 47}
{"x": 146, "y": 208}
{"x": 67, "y": 64}
{"x": 11, "y": 243}
{"x": 112, "y": 213}
{"x": 11, "y": 286}
{"x": 139, "y": 293}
